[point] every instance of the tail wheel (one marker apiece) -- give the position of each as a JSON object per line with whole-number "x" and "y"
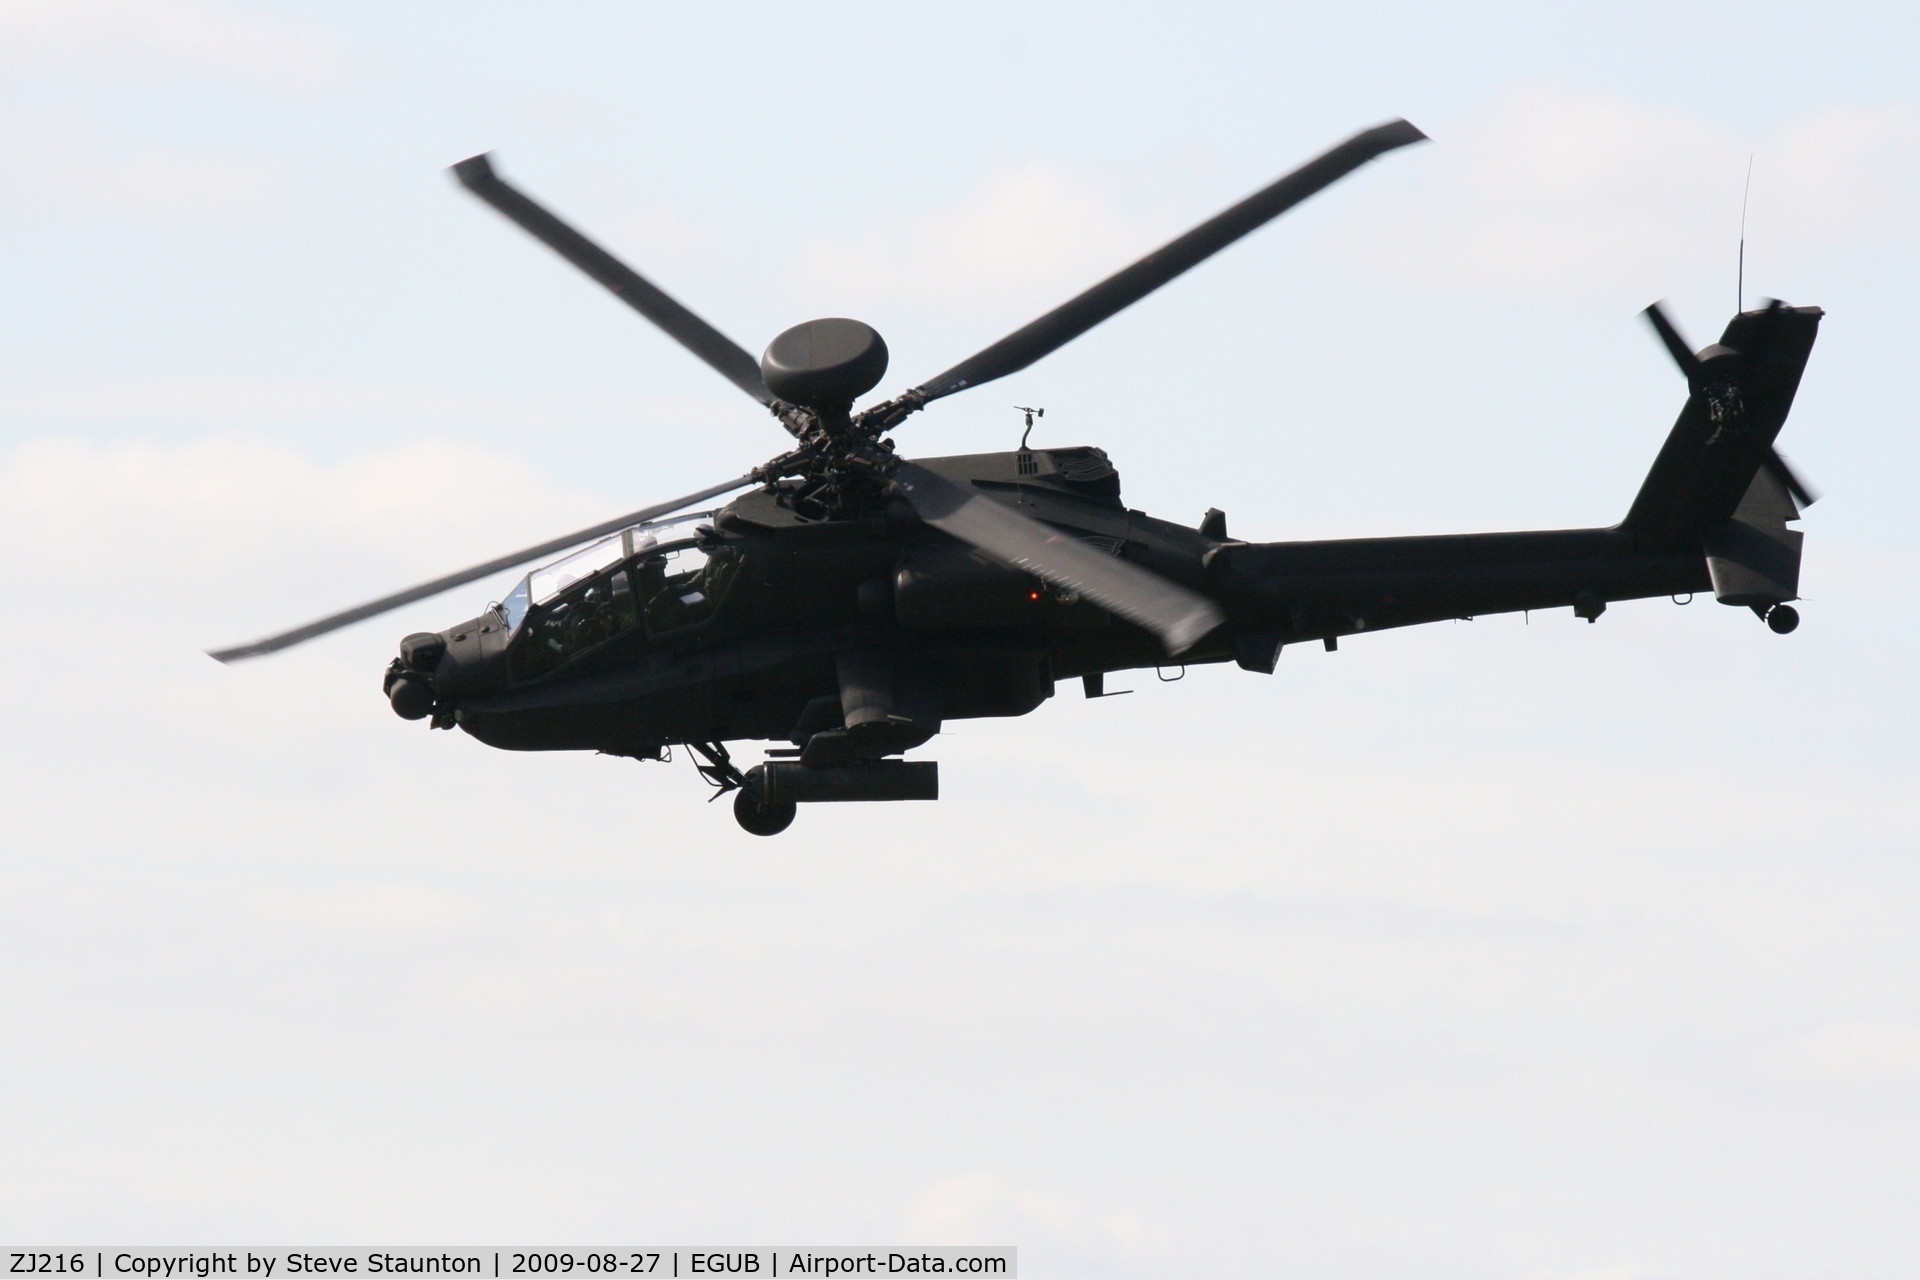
{"x": 1782, "y": 618}
{"x": 762, "y": 819}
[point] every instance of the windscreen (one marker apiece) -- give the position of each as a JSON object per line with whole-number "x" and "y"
{"x": 549, "y": 581}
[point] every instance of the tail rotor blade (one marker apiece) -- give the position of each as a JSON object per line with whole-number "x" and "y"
{"x": 1676, "y": 345}
{"x": 1779, "y": 468}
{"x": 1065, "y": 323}
{"x": 719, "y": 351}
{"x": 373, "y": 608}
{"x": 1178, "y": 616}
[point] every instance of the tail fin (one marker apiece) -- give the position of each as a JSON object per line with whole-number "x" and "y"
{"x": 1741, "y": 390}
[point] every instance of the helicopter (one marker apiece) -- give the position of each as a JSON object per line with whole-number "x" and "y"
{"x": 854, "y": 600}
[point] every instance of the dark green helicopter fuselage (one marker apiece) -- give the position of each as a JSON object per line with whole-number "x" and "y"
{"x": 615, "y": 673}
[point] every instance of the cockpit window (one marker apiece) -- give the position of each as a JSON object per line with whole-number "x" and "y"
{"x": 653, "y": 573}
{"x": 681, "y": 588}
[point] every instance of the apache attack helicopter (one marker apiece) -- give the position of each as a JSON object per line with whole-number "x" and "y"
{"x": 855, "y": 600}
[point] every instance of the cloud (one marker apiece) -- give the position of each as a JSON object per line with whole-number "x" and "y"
{"x": 1846, "y": 173}
{"x": 385, "y": 908}
{"x": 190, "y": 521}
{"x": 242, "y": 401}
{"x": 661, "y": 237}
{"x": 1555, "y": 192}
{"x": 979, "y": 1209}
{"x": 629, "y": 217}
{"x": 1036, "y": 232}
{"x": 1860, "y": 1054}
{"x": 54, "y": 167}
{"x": 205, "y": 404}
{"x": 182, "y": 39}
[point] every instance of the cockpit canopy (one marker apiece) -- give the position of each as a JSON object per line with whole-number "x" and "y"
{"x": 664, "y": 575}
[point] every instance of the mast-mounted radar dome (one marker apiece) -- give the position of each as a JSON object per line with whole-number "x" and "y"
{"x": 824, "y": 364}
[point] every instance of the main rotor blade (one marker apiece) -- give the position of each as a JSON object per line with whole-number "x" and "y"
{"x": 689, "y": 330}
{"x": 334, "y": 621}
{"x": 1178, "y": 616}
{"x": 1065, "y": 323}
{"x": 1676, "y": 345}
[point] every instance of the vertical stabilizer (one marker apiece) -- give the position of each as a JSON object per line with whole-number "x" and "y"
{"x": 1740, "y": 391}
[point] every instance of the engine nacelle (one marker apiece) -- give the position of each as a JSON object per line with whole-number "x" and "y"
{"x": 944, "y": 588}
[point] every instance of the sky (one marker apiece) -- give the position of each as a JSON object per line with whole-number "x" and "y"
{"x": 1518, "y": 947}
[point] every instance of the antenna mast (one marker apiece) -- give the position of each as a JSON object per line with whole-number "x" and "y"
{"x": 1740, "y": 280}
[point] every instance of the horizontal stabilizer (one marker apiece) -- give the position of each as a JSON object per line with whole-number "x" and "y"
{"x": 1754, "y": 559}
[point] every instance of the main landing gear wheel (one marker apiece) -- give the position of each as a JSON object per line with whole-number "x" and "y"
{"x": 762, "y": 819}
{"x": 1782, "y": 618}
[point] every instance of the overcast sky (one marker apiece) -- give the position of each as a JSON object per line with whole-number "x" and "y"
{"x": 1514, "y": 948}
